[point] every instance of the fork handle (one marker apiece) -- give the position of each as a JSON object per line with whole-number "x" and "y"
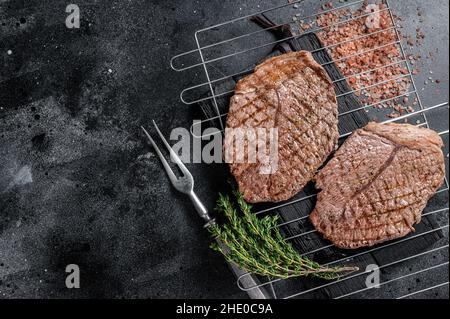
{"x": 249, "y": 282}
{"x": 201, "y": 209}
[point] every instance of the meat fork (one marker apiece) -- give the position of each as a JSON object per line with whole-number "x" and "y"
{"x": 185, "y": 185}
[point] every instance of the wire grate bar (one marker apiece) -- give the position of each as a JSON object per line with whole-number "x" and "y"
{"x": 423, "y": 290}
{"x": 405, "y": 116}
{"x": 372, "y": 86}
{"x": 286, "y": 204}
{"x": 216, "y": 106}
{"x": 365, "y": 107}
{"x": 393, "y": 280}
{"x": 363, "y": 52}
{"x": 369, "y": 71}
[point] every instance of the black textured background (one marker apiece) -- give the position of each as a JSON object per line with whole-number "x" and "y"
{"x": 78, "y": 184}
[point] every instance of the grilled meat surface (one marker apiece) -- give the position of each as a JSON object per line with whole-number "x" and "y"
{"x": 377, "y": 185}
{"x": 293, "y": 94}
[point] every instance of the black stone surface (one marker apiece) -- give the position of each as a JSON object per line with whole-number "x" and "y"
{"x": 78, "y": 183}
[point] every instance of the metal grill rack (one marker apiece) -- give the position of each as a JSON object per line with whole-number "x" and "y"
{"x": 215, "y": 53}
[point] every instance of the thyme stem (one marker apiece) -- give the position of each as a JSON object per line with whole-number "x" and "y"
{"x": 257, "y": 246}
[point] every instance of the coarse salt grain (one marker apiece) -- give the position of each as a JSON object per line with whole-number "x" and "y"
{"x": 382, "y": 59}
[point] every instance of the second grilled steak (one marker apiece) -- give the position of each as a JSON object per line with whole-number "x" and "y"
{"x": 293, "y": 94}
{"x": 377, "y": 185}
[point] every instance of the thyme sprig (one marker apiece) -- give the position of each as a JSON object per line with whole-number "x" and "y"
{"x": 256, "y": 244}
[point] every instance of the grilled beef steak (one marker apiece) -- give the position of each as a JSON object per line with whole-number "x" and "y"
{"x": 377, "y": 184}
{"x": 293, "y": 94}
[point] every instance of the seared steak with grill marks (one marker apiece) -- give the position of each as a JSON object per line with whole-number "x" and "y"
{"x": 294, "y": 94}
{"x": 377, "y": 184}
